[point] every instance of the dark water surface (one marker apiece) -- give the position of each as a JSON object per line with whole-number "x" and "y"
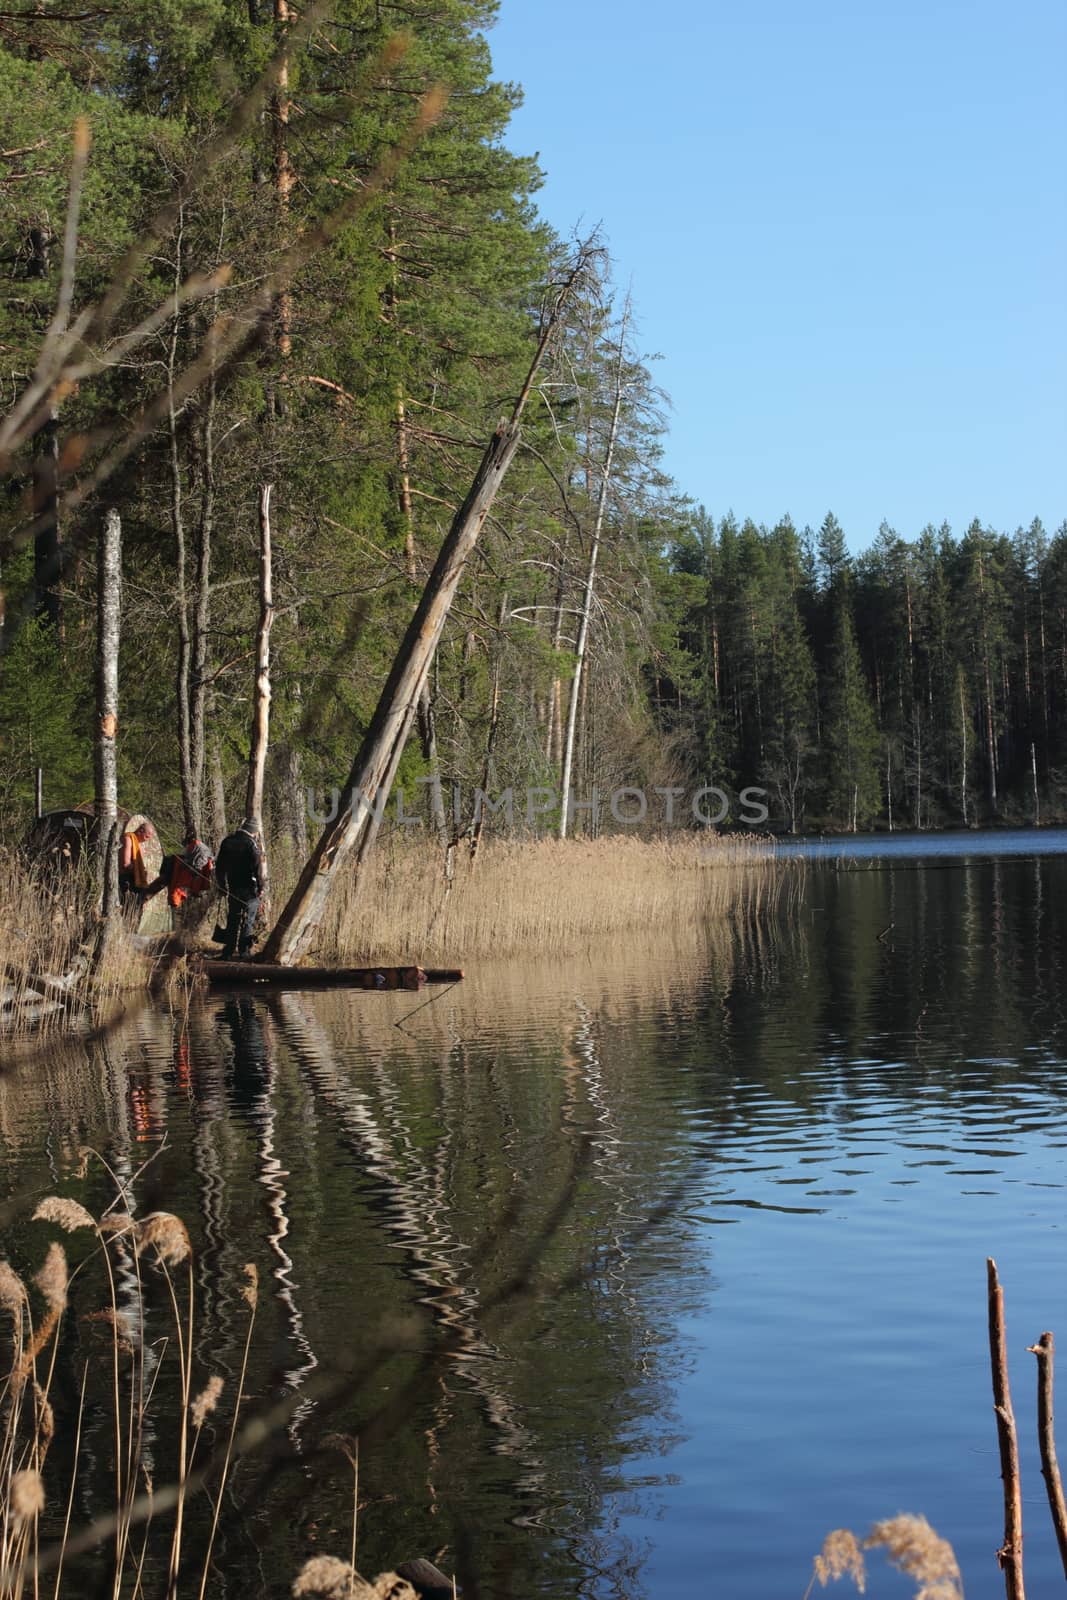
{"x": 677, "y": 1253}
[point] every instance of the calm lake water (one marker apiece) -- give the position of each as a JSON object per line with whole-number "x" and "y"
{"x": 676, "y": 1252}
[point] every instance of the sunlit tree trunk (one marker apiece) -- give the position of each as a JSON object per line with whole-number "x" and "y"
{"x": 587, "y": 595}
{"x": 105, "y": 768}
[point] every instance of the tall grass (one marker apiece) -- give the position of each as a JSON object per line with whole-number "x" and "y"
{"x": 135, "y": 1272}
{"x": 49, "y": 973}
{"x": 543, "y": 897}
{"x": 531, "y": 898}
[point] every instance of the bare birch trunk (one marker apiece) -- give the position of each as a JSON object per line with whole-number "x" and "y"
{"x": 105, "y": 771}
{"x": 371, "y": 777}
{"x": 257, "y": 753}
{"x": 218, "y": 794}
{"x": 587, "y": 599}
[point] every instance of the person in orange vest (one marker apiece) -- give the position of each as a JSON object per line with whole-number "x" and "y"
{"x": 186, "y": 875}
{"x": 133, "y": 871}
{"x": 190, "y": 873}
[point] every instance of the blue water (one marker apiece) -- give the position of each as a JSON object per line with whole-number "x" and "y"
{"x": 679, "y": 1246}
{"x": 970, "y": 844}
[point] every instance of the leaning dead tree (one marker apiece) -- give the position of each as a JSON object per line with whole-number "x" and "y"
{"x": 370, "y": 780}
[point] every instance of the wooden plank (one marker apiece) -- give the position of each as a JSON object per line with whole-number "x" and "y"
{"x": 370, "y": 979}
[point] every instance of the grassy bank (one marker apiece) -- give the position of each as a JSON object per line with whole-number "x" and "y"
{"x": 542, "y": 898}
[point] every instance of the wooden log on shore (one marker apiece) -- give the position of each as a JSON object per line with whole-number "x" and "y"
{"x": 375, "y": 979}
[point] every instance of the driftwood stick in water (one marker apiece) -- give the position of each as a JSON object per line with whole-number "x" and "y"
{"x": 1045, "y": 1351}
{"x": 1010, "y": 1554}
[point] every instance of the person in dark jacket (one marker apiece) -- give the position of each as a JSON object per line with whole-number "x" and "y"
{"x": 239, "y": 874}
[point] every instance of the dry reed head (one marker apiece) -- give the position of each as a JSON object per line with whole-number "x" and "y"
{"x": 52, "y": 1279}
{"x": 841, "y": 1557}
{"x": 327, "y": 1578}
{"x": 250, "y": 1288}
{"x": 206, "y": 1401}
{"x": 66, "y": 1213}
{"x": 116, "y": 1328}
{"x": 168, "y": 1234}
{"x": 12, "y": 1290}
{"x": 913, "y": 1546}
{"x": 25, "y": 1497}
{"x": 391, "y": 1586}
{"x": 117, "y": 1222}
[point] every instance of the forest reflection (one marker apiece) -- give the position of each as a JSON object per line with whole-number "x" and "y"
{"x": 476, "y": 1226}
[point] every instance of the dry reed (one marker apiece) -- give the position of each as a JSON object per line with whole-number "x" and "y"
{"x": 543, "y": 895}
{"x": 49, "y": 978}
{"x": 910, "y": 1544}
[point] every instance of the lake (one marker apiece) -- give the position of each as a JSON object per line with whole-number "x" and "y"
{"x": 641, "y": 1271}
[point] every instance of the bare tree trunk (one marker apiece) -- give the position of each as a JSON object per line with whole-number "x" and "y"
{"x": 371, "y": 777}
{"x": 963, "y": 750}
{"x": 218, "y": 793}
{"x": 426, "y": 723}
{"x": 494, "y": 723}
{"x": 283, "y": 174}
{"x": 191, "y": 799}
{"x": 202, "y": 608}
{"x": 105, "y": 772}
{"x": 587, "y": 600}
{"x": 47, "y": 543}
{"x": 554, "y": 734}
{"x": 257, "y": 753}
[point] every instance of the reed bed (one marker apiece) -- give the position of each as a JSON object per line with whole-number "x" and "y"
{"x": 50, "y": 969}
{"x": 133, "y": 1296}
{"x": 543, "y": 896}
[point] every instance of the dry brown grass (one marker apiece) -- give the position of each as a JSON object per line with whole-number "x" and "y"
{"x": 547, "y": 896}
{"x": 47, "y": 974}
{"x": 910, "y": 1544}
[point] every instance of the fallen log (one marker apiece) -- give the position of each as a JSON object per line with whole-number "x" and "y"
{"x": 378, "y": 979}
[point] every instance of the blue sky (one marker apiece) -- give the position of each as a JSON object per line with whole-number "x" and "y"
{"x": 846, "y": 228}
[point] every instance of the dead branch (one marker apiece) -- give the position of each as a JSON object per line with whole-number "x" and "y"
{"x": 1010, "y": 1554}
{"x": 1045, "y": 1351}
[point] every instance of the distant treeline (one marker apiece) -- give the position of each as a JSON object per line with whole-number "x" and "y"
{"x": 921, "y": 684}
{"x": 297, "y": 192}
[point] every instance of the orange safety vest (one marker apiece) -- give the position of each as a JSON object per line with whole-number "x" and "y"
{"x": 137, "y": 869}
{"x": 187, "y": 880}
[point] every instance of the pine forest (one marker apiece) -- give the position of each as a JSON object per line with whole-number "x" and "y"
{"x": 293, "y": 254}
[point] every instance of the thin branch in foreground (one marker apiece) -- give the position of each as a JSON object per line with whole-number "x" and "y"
{"x": 1045, "y": 1351}
{"x": 1010, "y": 1554}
